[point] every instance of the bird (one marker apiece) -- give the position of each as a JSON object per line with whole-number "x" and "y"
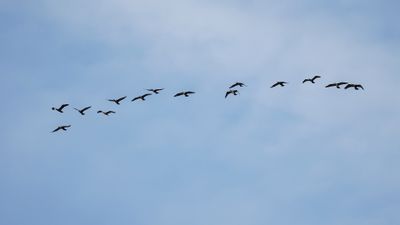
{"x": 234, "y": 92}
{"x": 106, "y": 113}
{"x": 237, "y": 84}
{"x": 82, "y": 111}
{"x": 337, "y": 85}
{"x": 312, "y": 80}
{"x": 64, "y": 128}
{"x": 156, "y": 90}
{"x": 281, "y": 83}
{"x": 61, "y": 108}
{"x": 355, "y": 86}
{"x": 142, "y": 97}
{"x": 117, "y": 101}
{"x": 185, "y": 93}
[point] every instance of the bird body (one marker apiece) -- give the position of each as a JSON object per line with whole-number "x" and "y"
{"x": 312, "y": 80}
{"x": 60, "y": 109}
{"x": 117, "y": 101}
{"x": 82, "y": 111}
{"x": 355, "y": 86}
{"x": 184, "y": 93}
{"x": 237, "y": 84}
{"x": 156, "y": 90}
{"x": 281, "y": 83}
{"x": 106, "y": 113}
{"x": 142, "y": 97}
{"x": 337, "y": 85}
{"x": 64, "y": 128}
{"x": 234, "y": 92}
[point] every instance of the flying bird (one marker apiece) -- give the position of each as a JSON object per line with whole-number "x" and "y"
{"x": 337, "y": 85}
{"x": 106, "y": 113}
{"x": 234, "y": 92}
{"x": 64, "y": 128}
{"x": 82, "y": 111}
{"x": 156, "y": 90}
{"x": 281, "y": 83}
{"x": 237, "y": 84}
{"x": 117, "y": 101}
{"x": 185, "y": 93}
{"x": 61, "y": 108}
{"x": 355, "y": 86}
{"x": 312, "y": 80}
{"x": 142, "y": 97}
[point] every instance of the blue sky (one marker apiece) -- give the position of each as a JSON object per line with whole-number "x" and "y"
{"x": 296, "y": 155}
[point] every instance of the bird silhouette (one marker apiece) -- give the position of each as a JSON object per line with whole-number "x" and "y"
{"x": 61, "y": 108}
{"x": 355, "y": 86}
{"x": 281, "y": 83}
{"x": 237, "y": 84}
{"x": 142, "y": 97}
{"x": 312, "y": 80}
{"x": 337, "y": 85}
{"x": 184, "y": 93}
{"x": 117, "y": 101}
{"x": 156, "y": 90}
{"x": 82, "y": 111}
{"x": 106, "y": 113}
{"x": 234, "y": 92}
{"x": 64, "y": 128}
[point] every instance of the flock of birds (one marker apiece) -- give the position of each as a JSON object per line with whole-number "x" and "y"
{"x": 231, "y": 91}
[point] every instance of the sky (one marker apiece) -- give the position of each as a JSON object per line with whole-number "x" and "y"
{"x": 302, "y": 154}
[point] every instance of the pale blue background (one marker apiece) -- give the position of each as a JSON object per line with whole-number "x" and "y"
{"x": 300, "y": 155}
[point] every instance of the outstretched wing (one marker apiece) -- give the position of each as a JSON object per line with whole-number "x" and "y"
{"x": 349, "y": 86}
{"x": 234, "y": 85}
{"x": 276, "y": 84}
{"x": 179, "y": 94}
{"x": 86, "y": 108}
{"x": 190, "y": 92}
{"x": 331, "y": 85}
{"x": 136, "y": 98}
{"x": 57, "y": 129}
{"x": 305, "y": 80}
{"x": 120, "y": 99}
{"x": 316, "y": 77}
{"x": 145, "y": 95}
{"x": 63, "y": 106}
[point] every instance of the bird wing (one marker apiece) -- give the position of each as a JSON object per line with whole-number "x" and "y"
{"x": 179, "y": 94}
{"x": 190, "y": 92}
{"x": 234, "y": 85}
{"x": 331, "y": 85}
{"x": 63, "y": 106}
{"x": 145, "y": 95}
{"x": 110, "y": 111}
{"x": 305, "y": 80}
{"x": 86, "y": 108}
{"x": 274, "y": 85}
{"x": 349, "y": 86}
{"x": 316, "y": 77}
{"x": 57, "y": 129}
{"x": 120, "y": 99}
{"x": 360, "y": 86}
{"x": 341, "y": 83}
{"x": 136, "y": 98}
{"x": 227, "y": 93}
